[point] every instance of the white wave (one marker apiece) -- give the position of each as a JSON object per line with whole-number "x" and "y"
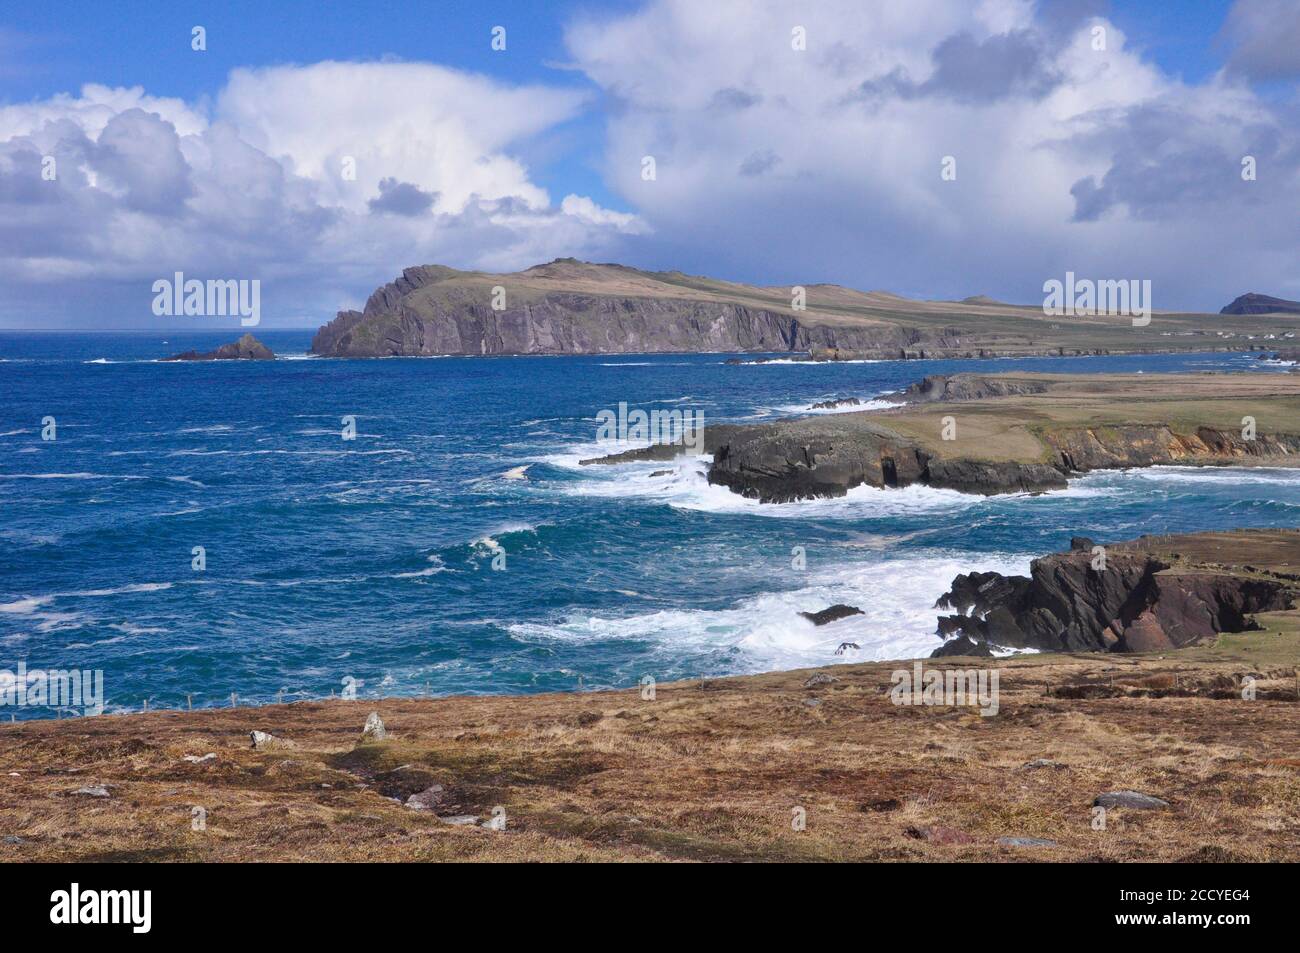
{"x": 121, "y": 590}
{"x": 1233, "y": 476}
{"x": 686, "y": 486}
{"x": 804, "y": 363}
{"x": 865, "y": 403}
{"x": 434, "y": 568}
{"x": 766, "y": 633}
{"x": 25, "y": 606}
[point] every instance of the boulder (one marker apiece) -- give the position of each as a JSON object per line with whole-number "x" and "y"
{"x": 821, "y": 678}
{"x": 264, "y": 741}
{"x": 374, "y": 729}
{"x": 1134, "y": 800}
{"x": 427, "y": 800}
{"x": 1025, "y": 842}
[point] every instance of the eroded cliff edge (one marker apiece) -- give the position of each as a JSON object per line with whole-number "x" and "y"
{"x": 1011, "y": 433}
{"x": 1151, "y": 594}
{"x": 573, "y": 307}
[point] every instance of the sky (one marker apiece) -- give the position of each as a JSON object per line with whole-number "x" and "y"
{"x": 932, "y": 148}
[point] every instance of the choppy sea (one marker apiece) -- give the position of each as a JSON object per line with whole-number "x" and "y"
{"x": 370, "y": 561}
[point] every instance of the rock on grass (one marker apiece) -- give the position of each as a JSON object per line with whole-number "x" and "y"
{"x": 1130, "y": 799}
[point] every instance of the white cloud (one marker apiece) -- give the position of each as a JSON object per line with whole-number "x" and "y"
{"x": 147, "y": 186}
{"x": 779, "y": 165}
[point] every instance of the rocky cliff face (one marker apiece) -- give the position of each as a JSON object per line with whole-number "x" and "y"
{"x": 1126, "y": 599}
{"x": 573, "y": 307}
{"x": 799, "y": 459}
{"x": 425, "y": 313}
{"x": 1253, "y": 303}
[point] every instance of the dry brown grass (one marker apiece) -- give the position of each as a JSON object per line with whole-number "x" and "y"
{"x": 704, "y": 772}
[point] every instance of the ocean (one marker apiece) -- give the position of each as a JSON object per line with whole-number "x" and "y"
{"x": 409, "y": 561}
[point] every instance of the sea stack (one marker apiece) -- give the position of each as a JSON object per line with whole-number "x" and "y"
{"x": 247, "y": 348}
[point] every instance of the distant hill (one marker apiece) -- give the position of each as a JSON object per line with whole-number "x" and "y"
{"x": 574, "y": 307}
{"x": 1261, "y": 304}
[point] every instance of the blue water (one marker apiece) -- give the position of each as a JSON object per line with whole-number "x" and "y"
{"x": 372, "y": 559}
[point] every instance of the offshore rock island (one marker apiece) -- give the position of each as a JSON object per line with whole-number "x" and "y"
{"x": 574, "y": 307}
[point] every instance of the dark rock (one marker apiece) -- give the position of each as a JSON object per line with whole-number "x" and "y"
{"x": 1138, "y": 603}
{"x": 845, "y": 646}
{"x": 836, "y": 402}
{"x": 831, "y": 614}
{"x": 1252, "y": 303}
{"x": 962, "y": 646}
{"x": 1040, "y": 763}
{"x": 1081, "y": 544}
{"x": 1134, "y": 800}
{"x": 940, "y": 835}
{"x": 247, "y": 348}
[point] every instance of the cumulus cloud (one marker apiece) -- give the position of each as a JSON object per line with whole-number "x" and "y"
{"x": 1072, "y": 150}
{"x": 393, "y": 164}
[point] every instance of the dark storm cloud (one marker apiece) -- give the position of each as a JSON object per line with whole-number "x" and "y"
{"x": 975, "y": 71}
{"x": 1265, "y": 39}
{"x": 401, "y": 198}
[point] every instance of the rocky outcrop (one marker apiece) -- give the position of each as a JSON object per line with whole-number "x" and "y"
{"x": 1132, "y": 597}
{"x": 831, "y": 614}
{"x": 836, "y": 402}
{"x": 247, "y": 348}
{"x": 827, "y": 456}
{"x": 1253, "y": 303}
{"x": 962, "y": 387}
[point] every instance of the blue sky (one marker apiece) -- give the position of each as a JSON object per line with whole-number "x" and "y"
{"x": 147, "y": 44}
{"x": 774, "y": 168}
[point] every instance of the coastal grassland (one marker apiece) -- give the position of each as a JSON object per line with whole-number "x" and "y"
{"x": 705, "y": 771}
{"x": 1013, "y": 427}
